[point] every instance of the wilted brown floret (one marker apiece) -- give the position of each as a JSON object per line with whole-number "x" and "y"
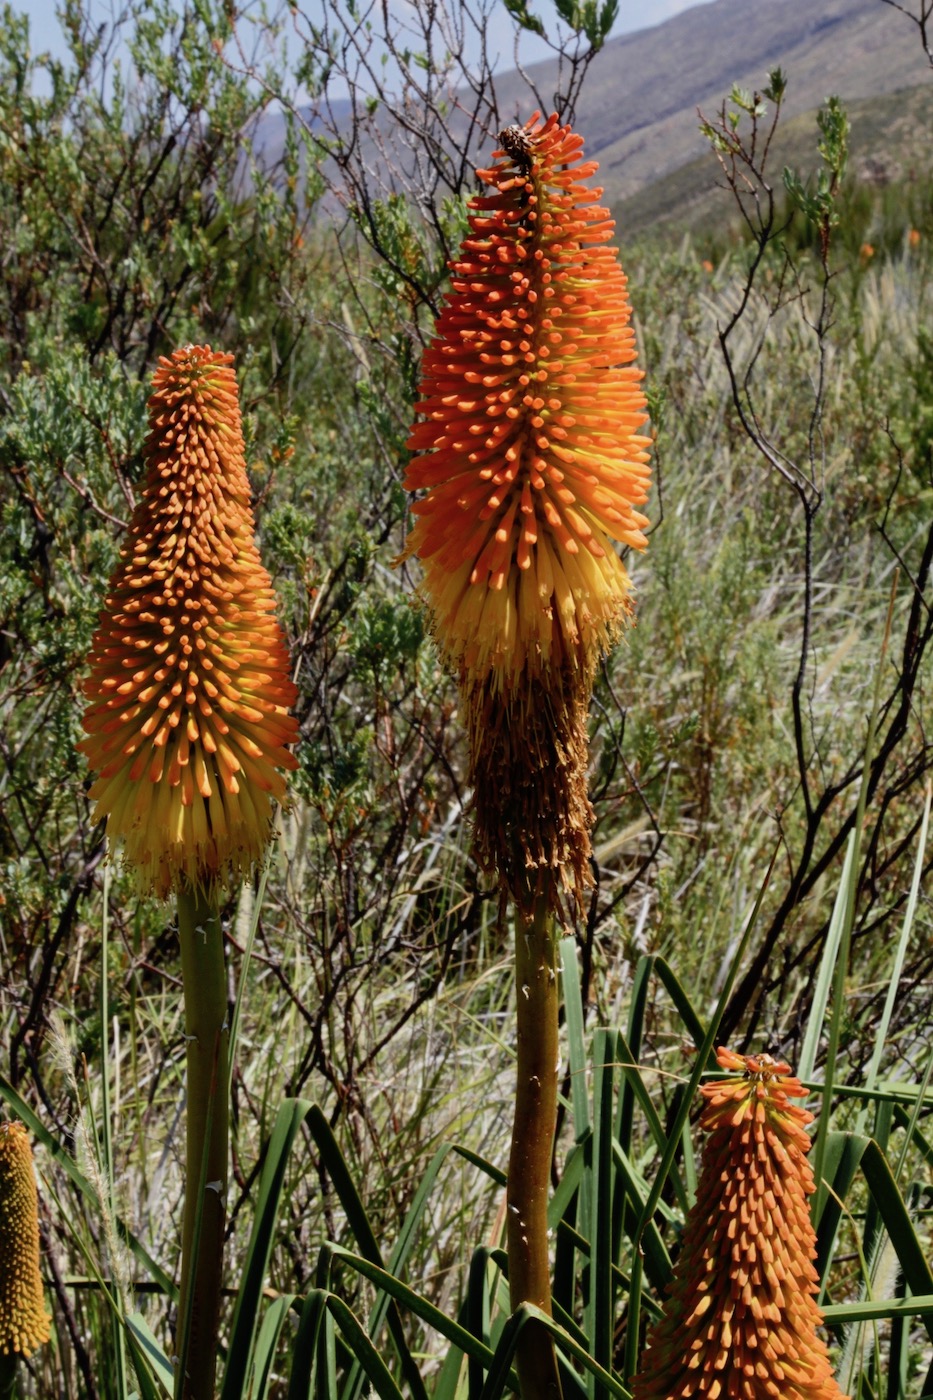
{"x": 741, "y": 1319}
{"x": 24, "y": 1323}
{"x": 189, "y": 690}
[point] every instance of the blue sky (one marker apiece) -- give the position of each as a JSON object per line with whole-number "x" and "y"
{"x": 633, "y": 14}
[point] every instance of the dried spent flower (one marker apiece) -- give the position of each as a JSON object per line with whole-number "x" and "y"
{"x": 189, "y": 689}
{"x": 530, "y": 453}
{"x": 740, "y": 1322}
{"x": 24, "y": 1323}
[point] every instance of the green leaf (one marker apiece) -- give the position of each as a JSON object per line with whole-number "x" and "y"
{"x": 363, "y": 1349}
{"x": 292, "y": 1113}
{"x": 148, "y": 1354}
{"x": 400, "y": 1253}
{"x": 900, "y": 952}
{"x": 358, "y": 1220}
{"x": 599, "y": 1311}
{"x": 911, "y": 1253}
{"x": 776, "y": 85}
{"x": 415, "y": 1302}
{"x": 641, "y": 985}
{"x": 824, "y": 981}
{"x": 841, "y": 1161}
{"x": 573, "y": 1015}
{"x": 305, "y": 1346}
{"x": 633, "y": 1076}
{"x": 878, "y": 1308}
{"x": 500, "y": 1372}
{"x": 523, "y": 16}
{"x": 266, "y": 1343}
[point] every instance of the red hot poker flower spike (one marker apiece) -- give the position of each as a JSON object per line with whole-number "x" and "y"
{"x": 24, "y": 1323}
{"x": 741, "y": 1319}
{"x": 530, "y": 453}
{"x": 529, "y": 446}
{"x": 189, "y": 689}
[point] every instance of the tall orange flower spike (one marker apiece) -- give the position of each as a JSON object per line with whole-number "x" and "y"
{"x": 24, "y": 1323}
{"x": 741, "y": 1318}
{"x": 189, "y": 691}
{"x": 529, "y": 450}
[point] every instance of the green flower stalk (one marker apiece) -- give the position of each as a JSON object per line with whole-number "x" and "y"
{"x": 188, "y": 726}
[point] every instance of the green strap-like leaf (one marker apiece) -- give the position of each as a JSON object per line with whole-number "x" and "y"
{"x": 599, "y": 1308}
{"x": 370, "y": 1360}
{"x": 415, "y": 1303}
{"x": 478, "y": 1310}
{"x": 641, "y": 985}
{"x": 633, "y": 1076}
{"x": 266, "y": 1344}
{"x": 305, "y": 1347}
{"x": 573, "y": 1016}
{"x": 246, "y": 1318}
{"x": 841, "y": 1160}
{"x": 879, "y": 1308}
{"x": 147, "y": 1354}
{"x": 910, "y": 1252}
{"x": 335, "y": 1164}
{"x": 500, "y": 1373}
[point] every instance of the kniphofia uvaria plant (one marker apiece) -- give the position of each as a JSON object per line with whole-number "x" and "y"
{"x": 188, "y": 726}
{"x": 530, "y": 452}
{"x": 741, "y": 1319}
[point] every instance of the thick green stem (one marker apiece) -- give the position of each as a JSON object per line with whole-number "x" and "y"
{"x": 207, "y": 1036}
{"x": 532, "y": 1144}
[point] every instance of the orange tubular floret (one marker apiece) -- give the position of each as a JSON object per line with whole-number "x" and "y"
{"x": 189, "y": 689}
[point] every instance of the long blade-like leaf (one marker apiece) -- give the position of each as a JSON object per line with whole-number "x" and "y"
{"x": 305, "y": 1347}
{"x": 358, "y": 1220}
{"x": 367, "y": 1355}
{"x": 246, "y": 1318}
{"x": 149, "y": 1360}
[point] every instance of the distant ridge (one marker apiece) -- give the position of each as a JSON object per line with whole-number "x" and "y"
{"x": 638, "y": 109}
{"x": 889, "y": 141}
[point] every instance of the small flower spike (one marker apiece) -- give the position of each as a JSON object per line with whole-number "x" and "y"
{"x": 189, "y": 690}
{"x": 24, "y": 1323}
{"x": 741, "y": 1319}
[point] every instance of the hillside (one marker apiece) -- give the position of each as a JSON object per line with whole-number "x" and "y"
{"x": 889, "y": 141}
{"x": 638, "y": 110}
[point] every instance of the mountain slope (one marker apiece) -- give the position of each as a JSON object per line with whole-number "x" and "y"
{"x": 638, "y": 110}
{"x": 889, "y": 140}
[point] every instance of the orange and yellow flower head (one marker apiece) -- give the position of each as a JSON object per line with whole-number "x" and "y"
{"x": 530, "y": 453}
{"x": 24, "y": 1323}
{"x": 189, "y": 689}
{"x": 740, "y": 1322}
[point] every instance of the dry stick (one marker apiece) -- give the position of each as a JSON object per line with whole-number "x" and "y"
{"x": 207, "y": 1037}
{"x": 532, "y": 1144}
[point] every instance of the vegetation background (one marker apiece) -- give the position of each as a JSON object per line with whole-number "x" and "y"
{"x": 771, "y": 710}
